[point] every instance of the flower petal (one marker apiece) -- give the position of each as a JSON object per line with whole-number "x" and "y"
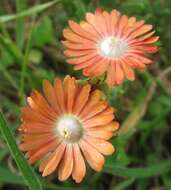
{"x": 79, "y": 169}
{"x": 101, "y": 145}
{"x": 80, "y": 31}
{"x": 41, "y": 152}
{"x": 55, "y": 160}
{"x": 70, "y": 90}
{"x": 93, "y": 157}
{"x": 59, "y": 91}
{"x": 50, "y": 95}
{"x": 81, "y": 99}
{"x": 66, "y": 166}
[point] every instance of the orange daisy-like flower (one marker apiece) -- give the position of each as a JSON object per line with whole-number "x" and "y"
{"x": 109, "y": 42}
{"x": 71, "y": 124}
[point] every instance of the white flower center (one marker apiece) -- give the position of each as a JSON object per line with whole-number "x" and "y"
{"x": 69, "y": 128}
{"x": 112, "y": 47}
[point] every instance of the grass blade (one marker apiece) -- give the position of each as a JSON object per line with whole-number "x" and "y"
{"x": 28, "y": 174}
{"x": 20, "y": 5}
{"x": 31, "y": 11}
{"x": 6, "y": 176}
{"x": 124, "y": 184}
{"x": 150, "y": 171}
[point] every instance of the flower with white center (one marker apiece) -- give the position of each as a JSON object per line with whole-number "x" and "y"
{"x": 67, "y": 126}
{"x": 109, "y": 43}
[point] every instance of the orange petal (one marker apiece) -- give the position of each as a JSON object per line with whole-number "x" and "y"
{"x": 66, "y": 166}
{"x": 147, "y": 49}
{"x": 143, "y": 29}
{"x": 81, "y": 59}
{"x": 54, "y": 161}
{"x": 128, "y": 71}
{"x": 32, "y": 137}
{"x": 70, "y": 89}
{"x": 60, "y": 94}
{"x": 89, "y": 28}
{"x": 77, "y": 53}
{"x": 75, "y": 46}
{"x": 95, "y": 110}
{"x": 93, "y": 157}
{"x": 114, "y": 17}
{"x": 43, "y": 151}
{"x": 119, "y": 75}
{"x": 37, "y": 102}
{"x": 50, "y": 95}
{"x": 45, "y": 162}
{"x": 96, "y": 132}
{"x": 89, "y": 63}
{"x": 146, "y": 36}
{"x": 111, "y": 75}
{"x": 35, "y": 128}
{"x": 113, "y": 126}
{"x": 97, "y": 68}
{"x": 136, "y": 26}
{"x": 100, "y": 21}
{"x": 30, "y": 145}
{"x": 80, "y": 31}
{"x": 122, "y": 24}
{"x": 91, "y": 19}
{"x": 101, "y": 145}
{"x": 29, "y": 115}
{"x": 79, "y": 169}
{"x": 133, "y": 62}
{"x": 81, "y": 99}
{"x": 71, "y": 36}
{"x": 131, "y": 22}
{"x": 98, "y": 120}
{"x": 106, "y": 16}
{"x": 143, "y": 59}
{"x": 93, "y": 100}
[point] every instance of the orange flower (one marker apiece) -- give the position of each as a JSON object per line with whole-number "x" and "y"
{"x": 69, "y": 125}
{"x": 109, "y": 42}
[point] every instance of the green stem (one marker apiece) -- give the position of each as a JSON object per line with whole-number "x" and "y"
{"x": 24, "y": 65}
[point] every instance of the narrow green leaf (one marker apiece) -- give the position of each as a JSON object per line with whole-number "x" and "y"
{"x": 124, "y": 184}
{"x": 28, "y": 12}
{"x": 20, "y": 6}
{"x": 11, "y": 48}
{"x": 150, "y": 171}
{"x": 25, "y": 63}
{"x": 6, "y": 176}
{"x": 28, "y": 174}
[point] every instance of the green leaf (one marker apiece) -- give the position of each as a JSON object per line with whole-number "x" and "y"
{"x": 153, "y": 170}
{"x": 28, "y": 174}
{"x": 20, "y": 5}
{"x": 43, "y": 32}
{"x": 11, "y": 48}
{"x": 124, "y": 184}
{"x": 28, "y": 12}
{"x": 6, "y": 176}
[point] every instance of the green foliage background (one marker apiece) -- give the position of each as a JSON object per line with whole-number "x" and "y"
{"x": 31, "y": 50}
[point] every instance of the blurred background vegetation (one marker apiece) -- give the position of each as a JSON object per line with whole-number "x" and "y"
{"x": 31, "y": 50}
